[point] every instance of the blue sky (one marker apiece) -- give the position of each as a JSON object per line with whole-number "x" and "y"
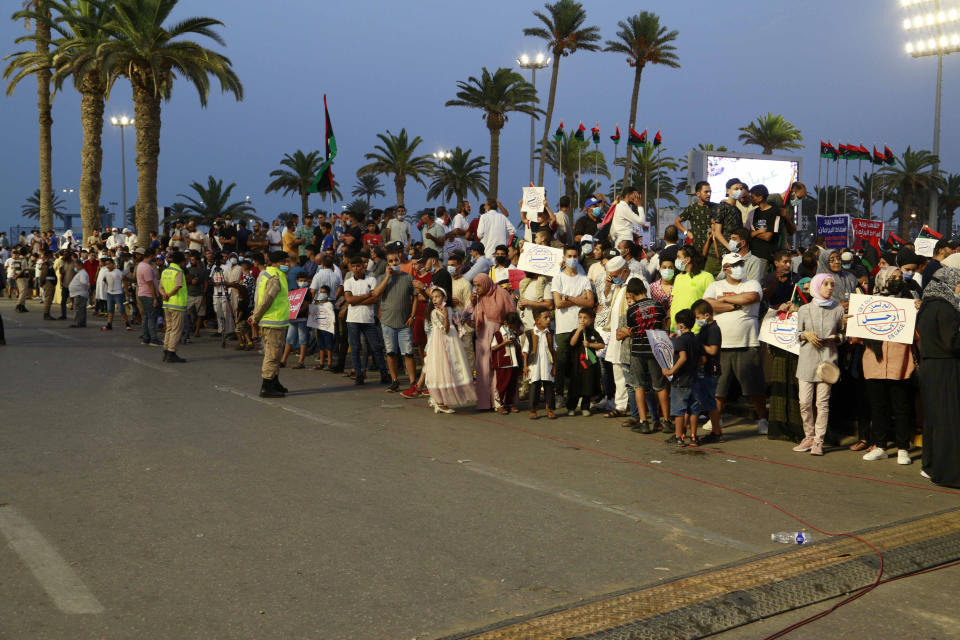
{"x": 837, "y": 70}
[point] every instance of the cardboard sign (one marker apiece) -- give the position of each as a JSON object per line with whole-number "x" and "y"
{"x": 662, "y": 348}
{"x": 867, "y": 230}
{"x": 541, "y": 259}
{"x": 516, "y": 275}
{"x": 296, "y": 301}
{"x": 834, "y": 230}
{"x": 924, "y": 246}
{"x": 322, "y": 317}
{"x": 780, "y": 332}
{"x": 881, "y": 318}
{"x": 533, "y": 200}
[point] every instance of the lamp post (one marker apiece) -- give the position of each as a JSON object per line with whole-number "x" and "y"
{"x": 934, "y": 29}
{"x": 538, "y": 61}
{"x": 123, "y": 122}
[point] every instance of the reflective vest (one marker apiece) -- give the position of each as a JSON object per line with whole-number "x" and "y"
{"x": 168, "y": 282}
{"x": 278, "y": 314}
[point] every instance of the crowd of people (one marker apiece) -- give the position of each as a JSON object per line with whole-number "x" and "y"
{"x": 456, "y": 317}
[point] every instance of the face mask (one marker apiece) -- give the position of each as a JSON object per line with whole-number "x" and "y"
{"x": 795, "y": 202}
{"x": 907, "y": 275}
{"x": 322, "y": 297}
{"x": 369, "y": 265}
{"x": 667, "y": 274}
{"x": 894, "y": 285}
{"x": 736, "y": 193}
{"x": 284, "y": 268}
{"x": 616, "y": 281}
{"x": 302, "y": 283}
{"x": 733, "y": 246}
{"x": 597, "y": 210}
{"x": 701, "y": 322}
{"x": 681, "y": 264}
{"x": 396, "y": 267}
{"x": 502, "y": 260}
{"x": 571, "y": 263}
{"x": 736, "y": 273}
{"x": 846, "y": 265}
{"x": 452, "y": 271}
{"x": 587, "y": 249}
{"x": 232, "y": 261}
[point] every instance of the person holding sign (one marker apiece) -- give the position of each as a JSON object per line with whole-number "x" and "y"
{"x": 297, "y": 333}
{"x": 819, "y": 325}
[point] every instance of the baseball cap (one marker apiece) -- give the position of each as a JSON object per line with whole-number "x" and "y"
{"x": 615, "y": 263}
{"x": 846, "y": 256}
{"x": 140, "y": 251}
{"x": 587, "y": 238}
{"x": 731, "y": 258}
{"x": 590, "y": 203}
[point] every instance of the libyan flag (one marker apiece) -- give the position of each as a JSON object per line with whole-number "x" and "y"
{"x": 616, "y": 137}
{"x": 828, "y": 151}
{"x": 878, "y": 158}
{"x": 580, "y": 131}
{"x": 888, "y": 156}
{"x": 657, "y": 140}
{"x": 595, "y": 132}
{"x": 637, "y": 139}
{"x": 324, "y": 180}
{"x": 927, "y": 232}
{"x": 558, "y": 134}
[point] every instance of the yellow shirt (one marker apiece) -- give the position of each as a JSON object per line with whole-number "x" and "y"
{"x": 289, "y": 243}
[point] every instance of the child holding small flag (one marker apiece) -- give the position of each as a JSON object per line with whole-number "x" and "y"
{"x": 584, "y": 371}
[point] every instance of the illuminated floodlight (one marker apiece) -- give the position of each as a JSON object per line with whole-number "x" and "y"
{"x": 952, "y": 15}
{"x": 921, "y": 46}
{"x": 955, "y": 39}
{"x": 909, "y": 47}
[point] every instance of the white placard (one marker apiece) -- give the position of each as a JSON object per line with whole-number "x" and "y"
{"x": 881, "y": 318}
{"x": 533, "y": 200}
{"x": 924, "y": 246}
{"x": 322, "y": 317}
{"x": 780, "y": 332}
{"x": 537, "y": 258}
{"x": 662, "y": 348}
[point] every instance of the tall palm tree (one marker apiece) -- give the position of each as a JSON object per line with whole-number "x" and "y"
{"x": 211, "y": 202}
{"x": 396, "y": 155}
{"x": 149, "y": 52}
{"x": 771, "y": 132}
{"x": 653, "y": 165}
{"x": 37, "y": 63}
{"x": 563, "y": 31}
{"x": 458, "y": 177}
{"x": 911, "y": 177}
{"x": 296, "y": 177}
{"x": 368, "y": 186}
{"x": 497, "y": 94}
{"x": 568, "y": 154}
{"x": 948, "y": 202}
{"x": 644, "y": 41}
{"x": 358, "y": 208}
{"x": 32, "y": 208}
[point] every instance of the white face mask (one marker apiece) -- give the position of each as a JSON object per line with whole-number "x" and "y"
{"x": 736, "y": 193}
{"x": 571, "y": 263}
{"x": 587, "y": 249}
{"x": 232, "y": 262}
{"x": 736, "y": 273}
{"x": 734, "y": 245}
{"x": 322, "y": 297}
{"x": 369, "y": 265}
{"x": 682, "y": 264}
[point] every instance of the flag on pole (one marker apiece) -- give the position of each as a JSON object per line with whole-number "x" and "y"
{"x": 657, "y": 139}
{"x": 558, "y": 134}
{"x": 878, "y": 158}
{"x": 616, "y": 137}
{"x": 927, "y": 232}
{"x": 595, "y": 132}
{"x": 828, "y": 151}
{"x": 323, "y": 182}
{"x": 888, "y": 156}
{"x": 847, "y": 151}
{"x": 580, "y": 131}
{"x": 863, "y": 152}
{"x": 637, "y": 139}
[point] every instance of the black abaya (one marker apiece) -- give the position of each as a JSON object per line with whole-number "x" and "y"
{"x": 938, "y": 324}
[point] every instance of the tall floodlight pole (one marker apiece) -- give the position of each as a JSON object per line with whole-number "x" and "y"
{"x": 123, "y": 122}
{"x": 933, "y": 31}
{"x": 538, "y": 61}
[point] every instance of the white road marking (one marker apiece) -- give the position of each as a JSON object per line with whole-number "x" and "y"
{"x": 150, "y": 365}
{"x": 668, "y": 524}
{"x": 294, "y": 410}
{"x": 57, "y": 334}
{"x": 53, "y": 573}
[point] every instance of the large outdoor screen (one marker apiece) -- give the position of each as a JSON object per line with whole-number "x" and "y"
{"x": 776, "y": 175}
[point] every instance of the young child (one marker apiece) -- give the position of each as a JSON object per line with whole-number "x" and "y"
{"x": 539, "y": 368}
{"x": 327, "y": 243}
{"x": 448, "y": 378}
{"x": 325, "y": 337}
{"x": 709, "y": 338}
{"x": 298, "y": 336}
{"x": 505, "y": 360}
{"x": 245, "y": 291}
{"x": 371, "y": 238}
{"x": 684, "y": 407}
{"x": 585, "y": 368}
{"x": 644, "y": 373}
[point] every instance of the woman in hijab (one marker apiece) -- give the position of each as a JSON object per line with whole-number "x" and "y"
{"x": 488, "y": 305}
{"x": 819, "y": 325}
{"x": 937, "y": 326}
{"x": 887, "y": 367}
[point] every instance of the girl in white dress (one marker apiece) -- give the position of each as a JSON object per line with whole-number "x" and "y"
{"x": 448, "y": 375}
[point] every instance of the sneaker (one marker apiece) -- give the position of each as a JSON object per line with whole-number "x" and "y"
{"x": 411, "y": 393}
{"x": 680, "y": 442}
{"x": 673, "y": 440}
{"x": 571, "y": 413}
{"x": 707, "y": 426}
{"x": 805, "y": 445}
{"x": 925, "y": 474}
{"x": 106, "y": 328}
{"x": 665, "y": 426}
{"x": 903, "y": 457}
{"x": 763, "y": 426}
{"x": 145, "y": 343}
{"x": 709, "y": 438}
{"x": 816, "y": 449}
{"x": 585, "y": 413}
{"x": 877, "y": 453}
{"x": 128, "y": 328}
{"x": 359, "y": 380}
{"x": 393, "y": 388}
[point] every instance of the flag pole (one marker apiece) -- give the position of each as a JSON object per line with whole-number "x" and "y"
{"x": 596, "y": 161}
{"x": 560, "y": 165}
{"x": 836, "y": 194}
{"x": 819, "y": 163}
{"x": 846, "y": 167}
{"x": 860, "y": 164}
{"x": 615, "y": 144}
{"x": 579, "y": 172}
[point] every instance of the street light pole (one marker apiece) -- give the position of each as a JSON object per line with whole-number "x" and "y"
{"x": 934, "y": 195}
{"x": 539, "y": 61}
{"x": 123, "y": 122}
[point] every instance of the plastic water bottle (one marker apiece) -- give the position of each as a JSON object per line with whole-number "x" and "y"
{"x": 792, "y": 537}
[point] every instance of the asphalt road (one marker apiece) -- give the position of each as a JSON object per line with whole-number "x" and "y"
{"x": 147, "y": 500}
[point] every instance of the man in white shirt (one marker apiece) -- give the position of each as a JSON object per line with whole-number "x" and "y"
{"x": 627, "y": 213}
{"x": 494, "y": 228}
{"x": 615, "y": 299}
{"x": 398, "y": 229}
{"x": 197, "y": 239}
{"x": 460, "y": 225}
{"x": 571, "y": 292}
{"x": 113, "y": 288}
{"x": 736, "y": 308}
{"x": 361, "y": 316}
{"x": 275, "y": 237}
{"x": 564, "y": 219}
{"x": 129, "y": 239}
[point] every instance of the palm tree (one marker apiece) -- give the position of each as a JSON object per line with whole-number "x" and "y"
{"x": 334, "y": 193}
{"x": 653, "y": 166}
{"x": 37, "y": 63}
{"x": 151, "y": 53}
{"x": 585, "y": 190}
{"x": 358, "y": 208}
{"x": 771, "y": 132}
{"x": 32, "y": 208}
{"x": 296, "y": 177}
{"x": 368, "y": 186}
{"x": 563, "y": 31}
{"x": 568, "y": 154}
{"x": 458, "y": 177}
{"x": 865, "y": 191}
{"x": 913, "y": 175}
{"x": 395, "y": 155}
{"x": 644, "y": 41}
{"x": 949, "y": 201}
{"x": 496, "y": 95}
{"x": 211, "y": 201}
{"x": 840, "y": 198}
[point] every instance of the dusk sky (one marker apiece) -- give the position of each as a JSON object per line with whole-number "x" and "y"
{"x": 836, "y": 70}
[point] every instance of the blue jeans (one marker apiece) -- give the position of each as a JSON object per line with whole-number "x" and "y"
{"x": 149, "y": 332}
{"x": 371, "y": 332}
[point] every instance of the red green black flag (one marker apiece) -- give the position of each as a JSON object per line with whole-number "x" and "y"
{"x": 878, "y": 157}
{"x": 637, "y": 139}
{"x": 616, "y": 137}
{"x": 657, "y": 139}
{"x": 580, "y": 131}
{"x": 828, "y": 151}
{"x": 558, "y": 134}
{"x": 324, "y": 180}
{"x": 595, "y": 132}
{"x": 863, "y": 152}
{"x": 888, "y": 156}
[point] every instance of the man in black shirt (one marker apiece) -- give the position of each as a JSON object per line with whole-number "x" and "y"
{"x": 765, "y": 232}
{"x": 778, "y": 286}
{"x": 243, "y": 234}
{"x": 593, "y": 210}
{"x": 352, "y": 236}
{"x": 227, "y": 236}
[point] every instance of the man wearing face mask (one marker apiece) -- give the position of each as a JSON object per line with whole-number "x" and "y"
{"x": 571, "y": 292}
{"x": 275, "y": 237}
{"x": 593, "y": 210}
{"x": 614, "y": 298}
{"x": 587, "y": 259}
{"x": 753, "y": 267}
{"x": 217, "y": 280}
{"x": 397, "y": 298}
{"x": 736, "y": 305}
{"x": 908, "y": 262}
{"x": 726, "y": 221}
{"x": 481, "y": 263}
{"x": 500, "y": 273}
{"x": 627, "y": 213}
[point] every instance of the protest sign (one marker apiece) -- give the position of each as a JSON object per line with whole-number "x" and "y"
{"x": 867, "y": 230}
{"x": 533, "y": 200}
{"x": 833, "y": 229}
{"x": 542, "y": 259}
{"x": 296, "y": 301}
{"x": 780, "y": 332}
{"x": 925, "y": 246}
{"x": 322, "y": 317}
{"x": 881, "y": 318}
{"x": 662, "y": 348}
{"x": 516, "y": 275}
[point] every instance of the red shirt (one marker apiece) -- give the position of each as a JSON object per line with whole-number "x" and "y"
{"x": 373, "y": 239}
{"x": 91, "y": 267}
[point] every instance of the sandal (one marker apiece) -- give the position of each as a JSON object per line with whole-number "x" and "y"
{"x": 514, "y": 410}
{"x": 299, "y": 365}
{"x": 616, "y": 414}
{"x": 859, "y": 445}
{"x": 502, "y": 411}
